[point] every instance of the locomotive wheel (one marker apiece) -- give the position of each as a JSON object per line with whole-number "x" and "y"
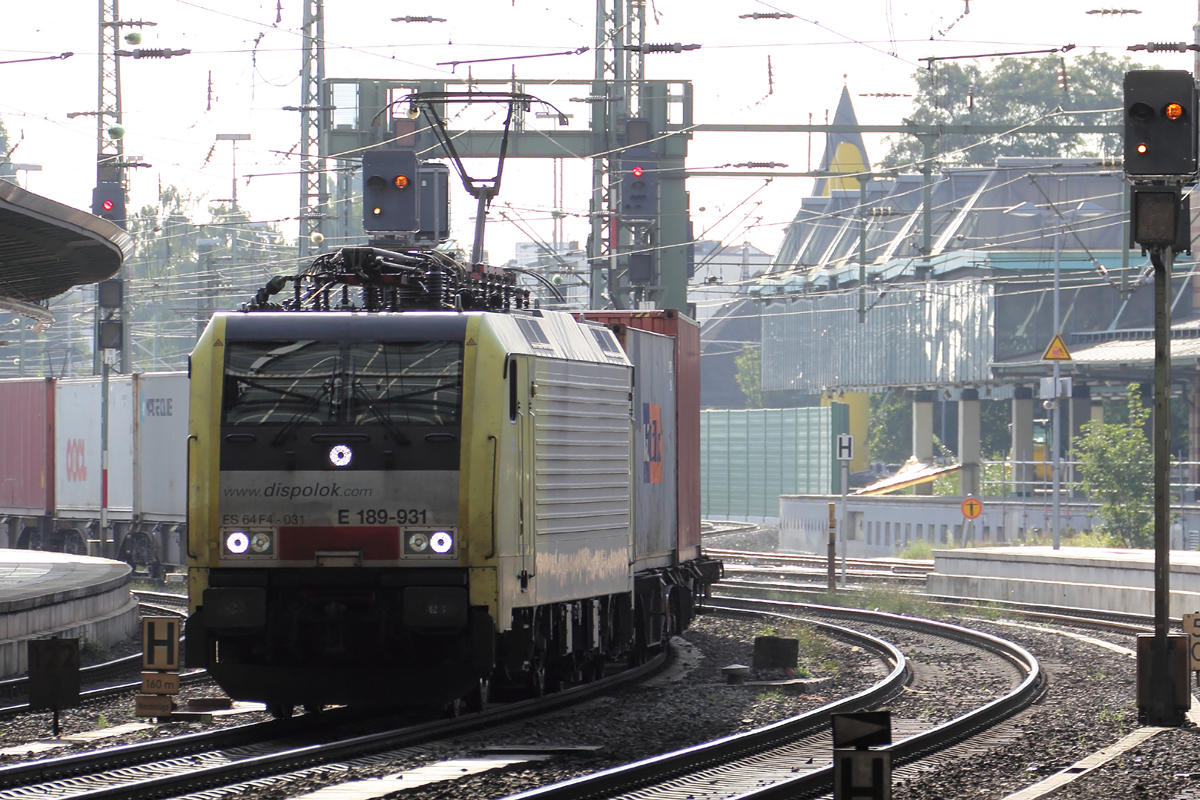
{"x": 313, "y": 708}
{"x": 281, "y": 710}
{"x": 455, "y": 708}
{"x": 537, "y": 677}
{"x": 477, "y": 698}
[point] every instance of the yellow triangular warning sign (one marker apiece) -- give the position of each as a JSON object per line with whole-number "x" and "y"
{"x": 218, "y": 343}
{"x": 1057, "y": 351}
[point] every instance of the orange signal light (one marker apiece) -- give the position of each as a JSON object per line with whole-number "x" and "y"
{"x": 1173, "y": 111}
{"x": 401, "y": 181}
{"x": 1141, "y": 148}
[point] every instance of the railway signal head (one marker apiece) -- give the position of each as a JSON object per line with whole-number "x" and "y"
{"x": 1160, "y": 123}
{"x": 391, "y": 201}
{"x": 639, "y": 186}
{"x": 108, "y": 202}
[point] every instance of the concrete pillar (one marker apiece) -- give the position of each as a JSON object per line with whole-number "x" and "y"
{"x": 923, "y": 434}
{"x": 1022, "y": 440}
{"x": 860, "y": 416}
{"x": 1081, "y": 414}
{"x": 969, "y": 446}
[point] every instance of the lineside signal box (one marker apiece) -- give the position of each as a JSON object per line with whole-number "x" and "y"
{"x": 391, "y": 191}
{"x": 1160, "y": 123}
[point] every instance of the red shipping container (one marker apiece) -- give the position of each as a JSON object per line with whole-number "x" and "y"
{"x": 686, "y": 333}
{"x": 27, "y": 441}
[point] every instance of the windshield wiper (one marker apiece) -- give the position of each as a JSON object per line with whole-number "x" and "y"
{"x": 373, "y": 407}
{"x": 310, "y": 404}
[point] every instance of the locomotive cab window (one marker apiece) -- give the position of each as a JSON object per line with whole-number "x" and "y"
{"x": 339, "y": 383}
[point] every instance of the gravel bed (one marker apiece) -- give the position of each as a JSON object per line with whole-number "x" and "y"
{"x": 1089, "y": 704}
{"x": 689, "y": 704}
{"x": 761, "y": 539}
{"x": 108, "y": 713}
{"x": 1164, "y": 766}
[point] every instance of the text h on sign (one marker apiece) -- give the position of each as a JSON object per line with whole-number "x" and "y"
{"x": 160, "y": 643}
{"x": 845, "y": 447}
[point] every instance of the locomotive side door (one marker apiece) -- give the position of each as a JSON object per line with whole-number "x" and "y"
{"x": 514, "y": 502}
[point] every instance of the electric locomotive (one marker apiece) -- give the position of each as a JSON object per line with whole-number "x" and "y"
{"x": 404, "y": 507}
{"x": 406, "y": 486}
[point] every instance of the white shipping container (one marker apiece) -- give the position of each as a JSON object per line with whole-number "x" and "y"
{"x": 77, "y": 463}
{"x": 161, "y": 425}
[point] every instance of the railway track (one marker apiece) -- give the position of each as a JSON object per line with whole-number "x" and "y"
{"x": 177, "y": 765}
{"x": 152, "y": 603}
{"x": 791, "y": 759}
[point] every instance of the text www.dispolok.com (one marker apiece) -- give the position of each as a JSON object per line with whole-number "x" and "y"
{"x": 286, "y": 492}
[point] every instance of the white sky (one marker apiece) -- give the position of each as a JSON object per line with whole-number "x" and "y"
{"x": 876, "y": 44}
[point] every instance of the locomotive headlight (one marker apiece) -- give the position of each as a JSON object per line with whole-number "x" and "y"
{"x": 417, "y": 542}
{"x": 237, "y": 542}
{"x": 260, "y": 542}
{"x": 341, "y": 455}
{"x": 441, "y": 542}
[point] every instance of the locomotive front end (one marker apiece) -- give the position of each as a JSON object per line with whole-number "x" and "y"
{"x": 327, "y": 557}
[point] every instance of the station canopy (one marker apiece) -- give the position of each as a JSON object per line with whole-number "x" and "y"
{"x": 47, "y": 247}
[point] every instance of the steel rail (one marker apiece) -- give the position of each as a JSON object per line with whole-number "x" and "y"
{"x": 16, "y": 687}
{"x": 898, "y": 566}
{"x": 665, "y": 767}
{"x": 130, "y": 757}
{"x": 1122, "y": 622}
{"x": 939, "y": 737}
{"x": 739, "y": 745}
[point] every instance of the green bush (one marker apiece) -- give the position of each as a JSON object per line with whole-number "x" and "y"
{"x": 918, "y": 548}
{"x": 92, "y": 652}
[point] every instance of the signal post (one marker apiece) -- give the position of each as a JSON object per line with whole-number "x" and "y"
{"x": 1160, "y": 160}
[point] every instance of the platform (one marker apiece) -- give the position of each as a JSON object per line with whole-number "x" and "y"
{"x": 47, "y": 594}
{"x": 1077, "y": 577}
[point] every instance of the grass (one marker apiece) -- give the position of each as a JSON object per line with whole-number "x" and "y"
{"x": 891, "y": 601}
{"x": 918, "y": 549}
{"x": 1073, "y": 538}
{"x": 92, "y": 652}
{"x": 101, "y": 722}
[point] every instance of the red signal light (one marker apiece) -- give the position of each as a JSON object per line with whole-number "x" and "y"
{"x": 637, "y": 172}
{"x": 107, "y": 205}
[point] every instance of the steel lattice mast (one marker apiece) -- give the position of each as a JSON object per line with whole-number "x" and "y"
{"x": 616, "y": 94}
{"x": 110, "y": 152}
{"x": 314, "y": 192}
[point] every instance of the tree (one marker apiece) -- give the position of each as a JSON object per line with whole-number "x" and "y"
{"x": 890, "y": 437}
{"x": 748, "y": 374}
{"x": 1015, "y": 92}
{"x": 1117, "y": 463}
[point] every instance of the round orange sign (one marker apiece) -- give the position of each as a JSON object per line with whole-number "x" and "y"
{"x": 971, "y": 508}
